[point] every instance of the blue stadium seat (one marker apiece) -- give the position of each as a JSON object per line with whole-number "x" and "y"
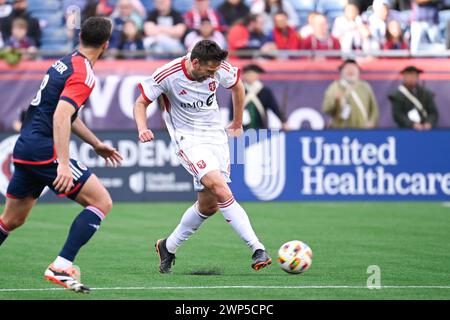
{"x": 52, "y": 19}
{"x": 215, "y": 3}
{"x": 44, "y": 5}
{"x": 444, "y": 17}
{"x": 54, "y": 35}
{"x": 303, "y": 8}
{"x": 327, "y": 6}
{"x": 304, "y": 5}
{"x": 182, "y": 5}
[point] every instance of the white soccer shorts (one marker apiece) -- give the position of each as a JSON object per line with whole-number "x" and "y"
{"x": 204, "y": 158}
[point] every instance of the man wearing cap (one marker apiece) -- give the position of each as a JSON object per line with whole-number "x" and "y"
{"x": 258, "y": 99}
{"x": 413, "y": 105}
{"x": 350, "y": 101}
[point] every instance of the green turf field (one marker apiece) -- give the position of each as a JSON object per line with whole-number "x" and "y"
{"x": 409, "y": 241}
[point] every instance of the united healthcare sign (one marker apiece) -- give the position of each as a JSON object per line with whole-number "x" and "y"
{"x": 276, "y": 166}
{"x": 344, "y": 165}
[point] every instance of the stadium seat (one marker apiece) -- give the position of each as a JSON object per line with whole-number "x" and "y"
{"x": 307, "y": 5}
{"x": 215, "y": 3}
{"x": 52, "y": 19}
{"x": 327, "y": 6}
{"x": 331, "y": 9}
{"x": 44, "y": 5}
{"x": 444, "y": 18}
{"x": 303, "y": 8}
{"x": 182, "y": 5}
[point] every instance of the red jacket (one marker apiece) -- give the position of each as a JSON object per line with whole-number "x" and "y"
{"x": 312, "y": 43}
{"x": 288, "y": 40}
{"x": 238, "y": 36}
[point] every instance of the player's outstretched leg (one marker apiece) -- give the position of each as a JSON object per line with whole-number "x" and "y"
{"x": 192, "y": 219}
{"x": 236, "y": 216}
{"x": 97, "y": 202}
{"x": 15, "y": 213}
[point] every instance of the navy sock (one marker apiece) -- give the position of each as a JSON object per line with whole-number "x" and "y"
{"x": 3, "y": 232}
{"x": 83, "y": 228}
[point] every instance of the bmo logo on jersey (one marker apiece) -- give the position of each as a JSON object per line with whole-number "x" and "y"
{"x": 199, "y": 104}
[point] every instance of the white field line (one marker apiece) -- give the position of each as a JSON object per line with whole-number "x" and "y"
{"x": 225, "y": 287}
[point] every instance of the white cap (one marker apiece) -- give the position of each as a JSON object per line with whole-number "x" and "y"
{"x": 379, "y": 3}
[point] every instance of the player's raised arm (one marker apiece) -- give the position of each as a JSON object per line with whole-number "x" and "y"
{"x": 61, "y": 135}
{"x": 234, "y": 129}
{"x": 110, "y": 154}
{"x": 140, "y": 116}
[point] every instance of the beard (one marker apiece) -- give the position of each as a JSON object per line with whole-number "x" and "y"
{"x": 352, "y": 79}
{"x": 199, "y": 78}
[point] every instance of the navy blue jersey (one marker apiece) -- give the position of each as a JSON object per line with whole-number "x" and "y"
{"x": 70, "y": 79}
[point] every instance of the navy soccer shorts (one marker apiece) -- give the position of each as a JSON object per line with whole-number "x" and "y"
{"x": 30, "y": 180}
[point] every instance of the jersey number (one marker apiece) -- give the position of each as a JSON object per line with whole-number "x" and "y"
{"x": 37, "y": 100}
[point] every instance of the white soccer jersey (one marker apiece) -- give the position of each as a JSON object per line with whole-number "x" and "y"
{"x": 193, "y": 115}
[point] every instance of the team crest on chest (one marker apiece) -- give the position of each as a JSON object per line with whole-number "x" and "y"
{"x": 201, "y": 164}
{"x": 212, "y": 86}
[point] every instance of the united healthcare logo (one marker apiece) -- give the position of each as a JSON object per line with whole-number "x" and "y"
{"x": 264, "y": 162}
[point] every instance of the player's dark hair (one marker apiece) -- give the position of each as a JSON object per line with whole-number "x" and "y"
{"x": 207, "y": 50}
{"x": 95, "y": 32}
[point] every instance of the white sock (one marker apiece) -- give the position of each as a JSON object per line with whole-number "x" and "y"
{"x": 236, "y": 216}
{"x": 62, "y": 263}
{"x": 190, "y": 222}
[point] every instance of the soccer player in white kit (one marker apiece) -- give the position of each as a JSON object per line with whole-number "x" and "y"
{"x": 186, "y": 88}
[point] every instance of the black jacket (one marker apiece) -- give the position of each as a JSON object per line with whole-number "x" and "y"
{"x": 401, "y": 106}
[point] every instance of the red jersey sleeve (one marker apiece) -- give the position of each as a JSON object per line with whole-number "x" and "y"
{"x": 80, "y": 83}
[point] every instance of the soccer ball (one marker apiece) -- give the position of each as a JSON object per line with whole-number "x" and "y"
{"x": 295, "y": 256}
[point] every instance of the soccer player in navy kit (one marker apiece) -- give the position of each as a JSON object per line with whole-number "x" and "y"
{"x": 41, "y": 154}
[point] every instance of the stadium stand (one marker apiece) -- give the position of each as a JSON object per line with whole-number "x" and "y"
{"x": 51, "y": 19}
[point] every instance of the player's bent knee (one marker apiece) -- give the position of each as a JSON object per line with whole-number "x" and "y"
{"x": 13, "y": 222}
{"x": 209, "y": 210}
{"x": 106, "y": 205}
{"x": 221, "y": 191}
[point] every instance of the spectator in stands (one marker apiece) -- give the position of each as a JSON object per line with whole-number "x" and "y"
{"x": 164, "y": 29}
{"x": 259, "y": 99}
{"x": 20, "y": 41}
{"x": 104, "y": 8}
{"x": 20, "y": 11}
{"x": 413, "y": 105}
{"x": 268, "y": 8}
{"x": 307, "y": 29}
{"x": 347, "y": 28}
{"x": 249, "y": 35}
{"x": 125, "y": 11}
{"x": 17, "y": 124}
{"x": 394, "y": 37}
{"x": 206, "y": 32}
{"x": 200, "y": 10}
{"x": 5, "y": 8}
{"x": 378, "y": 21}
{"x": 424, "y": 23}
{"x": 130, "y": 41}
{"x": 321, "y": 38}
{"x": 232, "y": 11}
{"x": 283, "y": 36}
{"x": 350, "y": 101}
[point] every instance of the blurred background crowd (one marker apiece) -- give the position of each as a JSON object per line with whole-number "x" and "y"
{"x": 248, "y": 28}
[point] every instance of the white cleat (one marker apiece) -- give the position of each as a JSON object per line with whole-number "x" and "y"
{"x": 69, "y": 278}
